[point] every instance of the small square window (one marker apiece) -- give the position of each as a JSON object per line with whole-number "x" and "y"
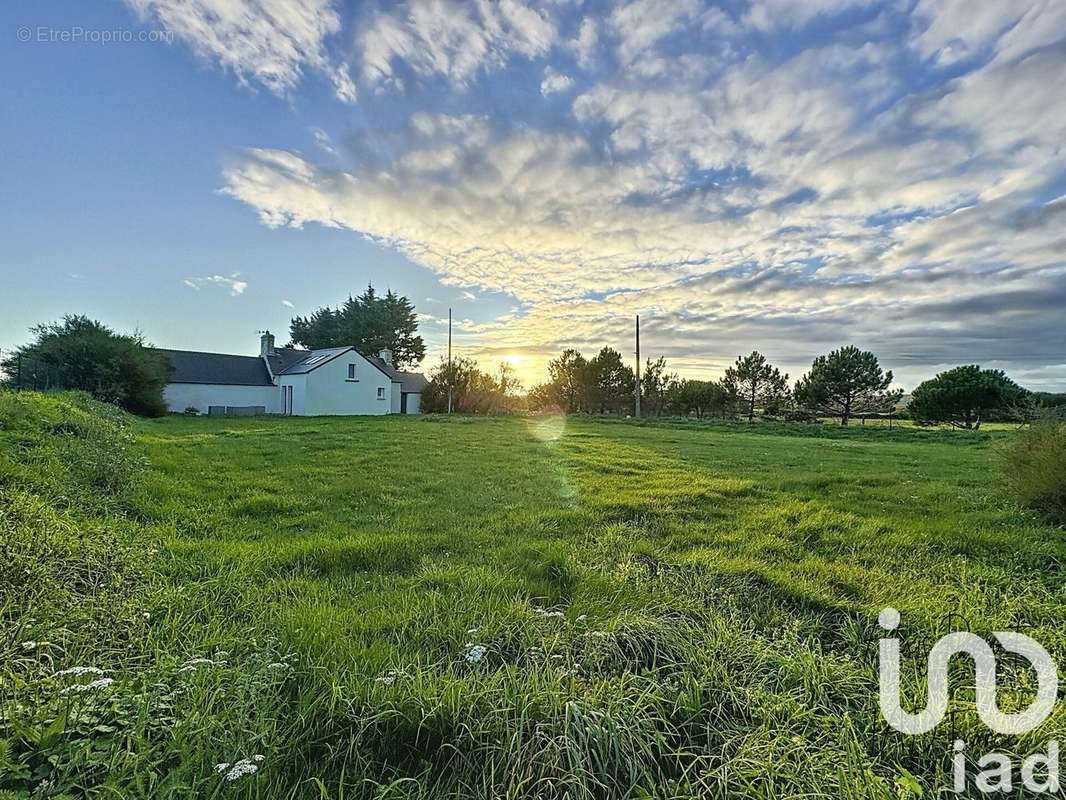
{"x": 381, "y": 393}
{"x": 351, "y": 372}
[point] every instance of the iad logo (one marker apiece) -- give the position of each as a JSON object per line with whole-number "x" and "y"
{"x": 997, "y": 778}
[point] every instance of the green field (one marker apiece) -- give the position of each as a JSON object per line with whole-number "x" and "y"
{"x": 454, "y": 607}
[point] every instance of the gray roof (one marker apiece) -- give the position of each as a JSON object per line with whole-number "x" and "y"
{"x": 284, "y": 357}
{"x": 314, "y": 359}
{"x": 219, "y": 368}
{"x": 409, "y": 381}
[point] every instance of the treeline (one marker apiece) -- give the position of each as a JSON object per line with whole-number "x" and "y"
{"x": 844, "y": 384}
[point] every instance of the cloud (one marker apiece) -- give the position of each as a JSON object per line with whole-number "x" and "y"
{"x": 265, "y": 42}
{"x": 451, "y": 38}
{"x": 233, "y": 283}
{"x": 555, "y": 81}
{"x": 287, "y": 304}
{"x": 737, "y": 184}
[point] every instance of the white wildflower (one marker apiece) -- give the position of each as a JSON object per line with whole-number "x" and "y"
{"x": 475, "y": 653}
{"x": 389, "y": 678}
{"x": 30, "y": 645}
{"x": 194, "y": 664}
{"x": 258, "y": 758}
{"x": 82, "y": 688}
{"x": 245, "y": 766}
{"x": 279, "y": 665}
{"x": 540, "y": 612}
{"x": 220, "y": 768}
{"x": 78, "y": 671}
{"x": 583, "y": 617}
{"x": 472, "y": 630}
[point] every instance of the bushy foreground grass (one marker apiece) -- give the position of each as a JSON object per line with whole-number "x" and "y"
{"x": 437, "y": 607}
{"x": 1036, "y": 469}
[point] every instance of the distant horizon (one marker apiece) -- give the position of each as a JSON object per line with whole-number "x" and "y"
{"x": 749, "y": 174}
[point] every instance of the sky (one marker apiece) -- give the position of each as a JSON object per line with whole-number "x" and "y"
{"x": 750, "y": 174}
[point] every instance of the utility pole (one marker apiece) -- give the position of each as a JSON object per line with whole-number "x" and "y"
{"x": 638, "y": 367}
{"x": 450, "y": 376}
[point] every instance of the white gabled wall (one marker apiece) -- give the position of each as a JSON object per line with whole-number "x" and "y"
{"x": 179, "y": 396}
{"x": 327, "y": 390}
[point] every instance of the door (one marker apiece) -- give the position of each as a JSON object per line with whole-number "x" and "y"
{"x": 403, "y": 402}
{"x": 287, "y": 400}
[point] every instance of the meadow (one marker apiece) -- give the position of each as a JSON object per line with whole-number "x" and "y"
{"x": 454, "y": 607}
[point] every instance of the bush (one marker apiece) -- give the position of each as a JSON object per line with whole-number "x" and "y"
{"x": 1036, "y": 469}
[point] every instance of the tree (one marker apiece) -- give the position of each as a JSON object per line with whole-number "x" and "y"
{"x": 568, "y": 380}
{"x": 368, "y": 323}
{"x": 474, "y": 391}
{"x": 655, "y": 383}
{"x": 702, "y": 398}
{"x": 80, "y": 353}
{"x": 848, "y": 381}
{"x": 610, "y": 382}
{"x": 758, "y": 384}
{"x": 964, "y": 396}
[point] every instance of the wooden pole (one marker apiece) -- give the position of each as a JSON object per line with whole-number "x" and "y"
{"x": 450, "y": 376}
{"x": 638, "y": 367}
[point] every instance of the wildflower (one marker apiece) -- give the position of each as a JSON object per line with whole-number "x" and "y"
{"x": 78, "y": 672}
{"x": 279, "y": 665}
{"x": 472, "y": 630}
{"x": 194, "y": 664}
{"x": 30, "y": 645}
{"x": 246, "y": 766}
{"x": 475, "y": 653}
{"x": 540, "y": 612}
{"x": 583, "y": 617}
{"x": 83, "y": 688}
{"x": 389, "y": 678}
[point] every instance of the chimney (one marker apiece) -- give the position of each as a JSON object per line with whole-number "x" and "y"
{"x": 386, "y": 356}
{"x": 266, "y": 344}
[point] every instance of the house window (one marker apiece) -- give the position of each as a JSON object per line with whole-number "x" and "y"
{"x": 381, "y": 393}
{"x": 351, "y": 372}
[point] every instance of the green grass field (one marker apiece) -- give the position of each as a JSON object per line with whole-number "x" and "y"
{"x": 427, "y": 607}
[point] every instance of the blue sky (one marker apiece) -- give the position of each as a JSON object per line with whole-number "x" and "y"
{"x": 756, "y": 173}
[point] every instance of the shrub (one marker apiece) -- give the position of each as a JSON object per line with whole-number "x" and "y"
{"x": 1036, "y": 469}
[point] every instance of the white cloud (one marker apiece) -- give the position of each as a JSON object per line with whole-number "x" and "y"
{"x": 287, "y": 304}
{"x": 268, "y": 42}
{"x": 232, "y": 283}
{"x": 452, "y": 38}
{"x": 555, "y": 81}
{"x": 585, "y": 44}
{"x": 735, "y": 199}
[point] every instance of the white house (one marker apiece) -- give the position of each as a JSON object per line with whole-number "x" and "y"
{"x": 339, "y": 380}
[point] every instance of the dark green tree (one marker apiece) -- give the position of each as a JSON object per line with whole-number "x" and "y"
{"x": 369, "y": 323}
{"x": 701, "y": 398}
{"x": 80, "y": 353}
{"x": 610, "y": 382}
{"x": 758, "y": 384}
{"x": 568, "y": 380}
{"x": 846, "y": 382}
{"x": 964, "y": 396}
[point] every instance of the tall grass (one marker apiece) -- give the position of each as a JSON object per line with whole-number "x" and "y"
{"x": 433, "y": 608}
{"x": 1036, "y": 469}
